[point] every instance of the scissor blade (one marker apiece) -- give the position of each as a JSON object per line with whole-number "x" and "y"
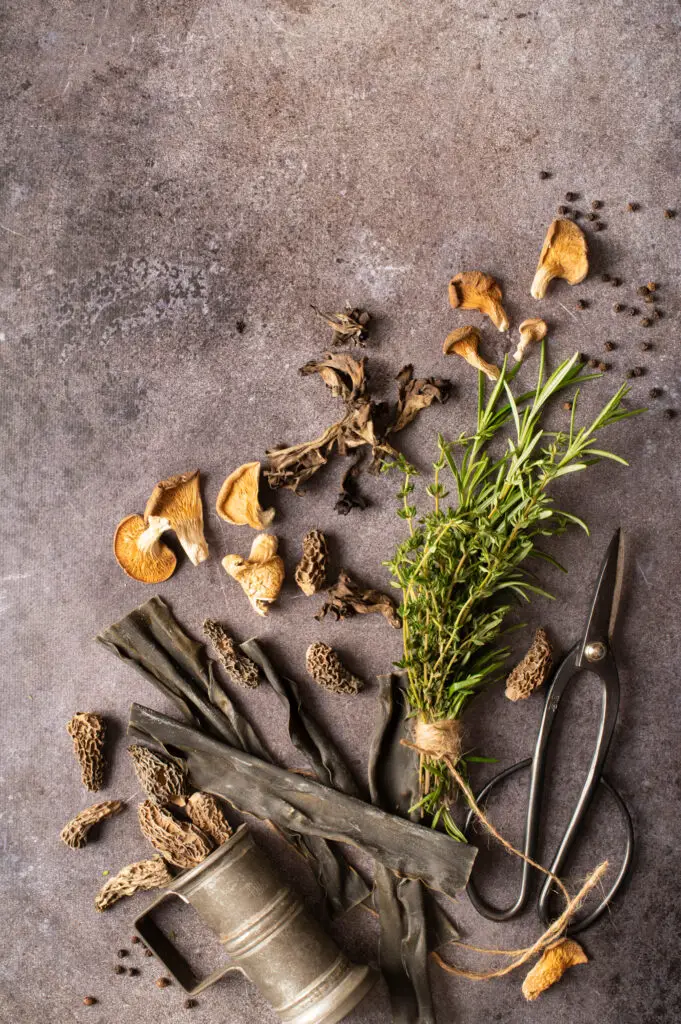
{"x": 601, "y": 620}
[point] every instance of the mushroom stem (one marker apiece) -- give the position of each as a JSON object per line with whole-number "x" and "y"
{"x": 542, "y": 279}
{"x": 190, "y": 535}
{"x": 147, "y": 541}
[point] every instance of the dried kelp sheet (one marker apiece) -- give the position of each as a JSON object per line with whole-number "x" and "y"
{"x": 151, "y": 640}
{"x": 411, "y": 921}
{"x": 304, "y": 805}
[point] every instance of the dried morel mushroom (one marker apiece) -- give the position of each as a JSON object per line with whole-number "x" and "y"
{"x": 240, "y": 669}
{"x": 346, "y": 598}
{"x": 87, "y": 731}
{"x": 237, "y": 501}
{"x": 177, "y": 500}
{"x": 475, "y": 290}
{"x": 532, "y": 671}
{"x": 552, "y": 965}
{"x": 351, "y": 327}
{"x": 206, "y": 813}
{"x": 328, "y": 670}
{"x": 261, "y": 574}
{"x": 531, "y": 331}
{"x": 163, "y": 780}
{"x": 178, "y": 841}
{"x": 464, "y": 342}
{"x": 138, "y": 877}
{"x": 140, "y": 552}
{"x": 311, "y": 569}
{"x": 349, "y": 496}
{"x": 75, "y": 833}
{"x": 415, "y": 394}
{"x": 563, "y": 255}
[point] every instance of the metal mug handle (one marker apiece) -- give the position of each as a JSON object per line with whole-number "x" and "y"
{"x": 160, "y": 945}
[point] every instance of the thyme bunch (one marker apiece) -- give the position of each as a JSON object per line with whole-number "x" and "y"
{"x": 463, "y": 566}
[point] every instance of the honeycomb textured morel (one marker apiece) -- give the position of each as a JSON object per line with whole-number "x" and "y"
{"x": 87, "y": 731}
{"x": 206, "y": 813}
{"x": 311, "y": 569}
{"x": 162, "y": 779}
{"x": 328, "y": 670}
{"x": 532, "y": 671}
{"x": 179, "y": 842}
{"x": 138, "y": 877}
{"x": 240, "y": 669}
{"x": 75, "y": 833}
{"x": 552, "y": 965}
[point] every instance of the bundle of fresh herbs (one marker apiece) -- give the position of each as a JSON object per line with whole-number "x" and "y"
{"x": 464, "y": 563}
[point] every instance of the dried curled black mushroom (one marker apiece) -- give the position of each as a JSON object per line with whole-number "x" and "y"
{"x": 416, "y": 393}
{"x": 240, "y": 669}
{"x": 349, "y": 496}
{"x": 343, "y": 375}
{"x": 347, "y": 598}
{"x": 351, "y": 327}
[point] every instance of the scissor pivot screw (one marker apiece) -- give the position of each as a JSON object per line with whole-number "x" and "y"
{"x": 595, "y": 651}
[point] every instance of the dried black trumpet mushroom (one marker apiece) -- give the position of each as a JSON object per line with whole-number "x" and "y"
{"x": 346, "y": 598}
{"x": 163, "y": 780}
{"x": 238, "y": 667}
{"x": 311, "y": 569}
{"x": 75, "y": 833}
{"x": 349, "y": 496}
{"x": 344, "y": 376}
{"x": 328, "y": 670}
{"x": 532, "y": 671}
{"x": 414, "y": 394}
{"x": 350, "y": 327}
{"x": 87, "y": 731}
{"x": 205, "y": 812}
{"x": 138, "y": 877}
{"x": 178, "y": 841}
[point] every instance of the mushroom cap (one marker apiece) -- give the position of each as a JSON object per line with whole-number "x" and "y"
{"x": 153, "y": 563}
{"x": 473, "y": 289}
{"x": 464, "y": 342}
{"x": 237, "y": 501}
{"x": 564, "y": 255}
{"x": 178, "y": 499}
{"x": 531, "y": 330}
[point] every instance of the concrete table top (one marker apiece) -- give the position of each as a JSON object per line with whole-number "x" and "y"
{"x": 180, "y": 181}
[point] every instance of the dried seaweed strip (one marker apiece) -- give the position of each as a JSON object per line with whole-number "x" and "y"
{"x": 304, "y": 805}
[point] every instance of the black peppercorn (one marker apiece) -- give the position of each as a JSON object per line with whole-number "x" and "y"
{"x": 616, "y": 282}
{"x": 592, "y": 216}
{"x": 134, "y": 939}
{"x": 610, "y": 346}
{"x": 670, "y": 413}
{"x": 618, "y": 308}
{"x": 563, "y": 210}
{"x": 593, "y": 363}
{"x": 121, "y": 953}
{"x": 544, "y": 175}
{"x": 189, "y": 1004}
{"x": 162, "y": 982}
{"x": 655, "y": 392}
{"x": 634, "y": 311}
{"x": 600, "y": 226}
{"x": 119, "y": 969}
{"x": 649, "y": 298}
{"x": 645, "y": 346}
{"x": 134, "y": 972}
{"x": 633, "y": 207}
{"x": 571, "y": 196}
{"x": 89, "y": 1001}
{"x": 240, "y": 326}
{"x": 596, "y": 204}
{"x": 582, "y": 304}
{"x": 630, "y": 373}
{"x": 603, "y": 367}
{"x": 657, "y": 314}
{"x": 646, "y": 321}
{"x": 642, "y": 290}
{"x": 670, "y": 214}
{"x": 577, "y": 214}
{"x": 639, "y": 371}
{"x": 605, "y": 278}
{"x": 147, "y": 952}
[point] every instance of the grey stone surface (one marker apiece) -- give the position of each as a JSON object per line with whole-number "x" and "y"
{"x": 170, "y": 169}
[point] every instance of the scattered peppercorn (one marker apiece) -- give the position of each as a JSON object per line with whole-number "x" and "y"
{"x": 593, "y": 363}
{"x": 89, "y": 1001}
{"x": 634, "y": 311}
{"x": 544, "y": 175}
{"x": 642, "y": 290}
{"x": 119, "y": 969}
{"x": 670, "y": 214}
{"x": 616, "y": 282}
{"x": 610, "y": 346}
{"x": 596, "y": 204}
{"x": 240, "y": 326}
{"x": 639, "y": 371}
{"x": 652, "y": 286}
{"x": 147, "y": 952}
{"x": 134, "y": 972}
{"x": 134, "y": 939}
{"x": 577, "y": 214}
{"x": 570, "y": 197}
{"x": 646, "y": 321}
{"x": 121, "y": 953}
{"x": 645, "y": 346}
{"x": 633, "y": 207}
{"x": 649, "y": 298}
{"x": 657, "y": 314}
{"x": 605, "y": 278}
{"x": 604, "y": 367}
{"x": 189, "y": 1004}
{"x": 563, "y": 210}
{"x": 592, "y": 216}
{"x": 600, "y": 226}
{"x": 618, "y": 308}
{"x": 655, "y": 392}
{"x": 582, "y": 304}
{"x": 670, "y": 413}
{"x": 162, "y": 982}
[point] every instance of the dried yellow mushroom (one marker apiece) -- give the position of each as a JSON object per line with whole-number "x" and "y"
{"x": 163, "y": 780}
{"x": 237, "y": 501}
{"x": 475, "y": 290}
{"x": 178, "y": 841}
{"x": 311, "y": 569}
{"x": 138, "y": 877}
{"x": 531, "y": 331}
{"x": 206, "y": 813}
{"x": 75, "y": 833}
{"x": 261, "y": 575}
{"x": 140, "y": 552}
{"x": 532, "y": 671}
{"x": 563, "y": 255}
{"x": 177, "y": 501}
{"x": 551, "y": 966}
{"x": 328, "y": 670}
{"x": 87, "y": 731}
{"x": 464, "y": 342}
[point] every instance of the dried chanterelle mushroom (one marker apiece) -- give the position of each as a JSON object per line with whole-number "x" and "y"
{"x": 87, "y": 730}
{"x": 328, "y": 670}
{"x": 141, "y": 553}
{"x": 311, "y": 569}
{"x": 261, "y": 575}
{"x": 552, "y": 965}
{"x": 237, "y": 501}
{"x": 474, "y": 290}
{"x": 563, "y": 255}
{"x": 75, "y": 832}
{"x": 138, "y": 877}
{"x": 177, "y": 501}
{"x": 532, "y": 330}
{"x": 179, "y": 842}
{"x": 464, "y": 342}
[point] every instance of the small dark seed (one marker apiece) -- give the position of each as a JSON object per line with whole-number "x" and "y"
{"x": 645, "y": 346}
{"x": 147, "y": 952}
{"x": 610, "y": 346}
{"x": 655, "y": 392}
{"x": 592, "y": 216}
{"x": 543, "y": 175}
{"x": 582, "y": 304}
{"x": 121, "y": 953}
{"x": 240, "y": 326}
{"x": 567, "y": 406}
{"x": 670, "y": 214}
{"x": 597, "y": 204}
{"x": 618, "y": 308}
{"x": 603, "y": 367}
{"x": 593, "y": 363}
{"x": 162, "y": 982}
{"x": 616, "y": 282}
{"x": 670, "y": 413}
{"x": 639, "y": 371}
{"x": 134, "y": 972}
{"x": 642, "y": 290}
{"x": 189, "y": 1004}
{"x": 571, "y": 196}
{"x": 89, "y": 1001}
{"x": 657, "y": 314}
{"x": 630, "y": 373}
{"x": 577, "y": 214}
{"x": 633, "y": 311}
{"x": 600, "y": 226}
{"x": 563, "y": 210}
{"x": 119, "y": 969}
{"x": 134, "y": 939}
{"x": 605, "y": 278}
{"x": 633, "y": 207}
{"x": 649, "y": 298}
{"x": 646, "y": 321}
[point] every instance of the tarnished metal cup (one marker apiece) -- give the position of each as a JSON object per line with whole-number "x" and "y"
{"x": 267, "y": 934}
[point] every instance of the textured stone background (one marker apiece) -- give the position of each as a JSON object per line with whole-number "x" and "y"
{"x": 169, "y": 169}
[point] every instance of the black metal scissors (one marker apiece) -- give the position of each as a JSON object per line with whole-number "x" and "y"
{"x": 593, "y": 652}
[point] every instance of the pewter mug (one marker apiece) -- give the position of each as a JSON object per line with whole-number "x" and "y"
{"x": 267, "y": 933}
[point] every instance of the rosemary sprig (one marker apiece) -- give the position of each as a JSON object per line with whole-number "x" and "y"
{"x": 462, "y": 566}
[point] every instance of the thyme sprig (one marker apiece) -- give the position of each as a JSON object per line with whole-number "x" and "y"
{"x": 463, "y": 565}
